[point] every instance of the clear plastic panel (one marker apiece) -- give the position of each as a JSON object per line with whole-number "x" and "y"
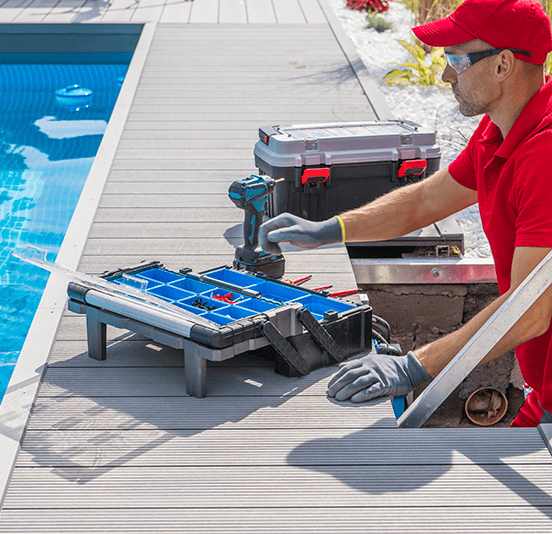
{"x": 32, "y": 253}
{"x": 137, "y": 283}
{"x": 36, "y": 256}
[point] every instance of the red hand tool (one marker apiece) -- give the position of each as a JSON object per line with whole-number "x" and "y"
{"x": 299, "y": 281}
{"x": 344, "y": 293}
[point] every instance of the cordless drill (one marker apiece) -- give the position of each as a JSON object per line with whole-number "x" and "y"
{"x": 251, "y": 195}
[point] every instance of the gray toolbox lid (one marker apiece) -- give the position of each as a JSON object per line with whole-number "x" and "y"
{"x": 345, "y": 143}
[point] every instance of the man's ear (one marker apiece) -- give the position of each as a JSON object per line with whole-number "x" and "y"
{"x": 504, "y": 65}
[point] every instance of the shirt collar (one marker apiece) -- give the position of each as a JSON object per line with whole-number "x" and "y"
{"x": 528, "y": 120}
{"x": 491, "y": 133}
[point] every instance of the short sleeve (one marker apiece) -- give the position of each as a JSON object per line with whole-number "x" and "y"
{"x": 462, "y": 169}
{"x": 532, "y": 198}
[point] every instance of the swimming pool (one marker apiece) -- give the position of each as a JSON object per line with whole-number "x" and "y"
{"x": 47, "y": 147}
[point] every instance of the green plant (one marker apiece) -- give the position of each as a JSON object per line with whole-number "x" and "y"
{"x": 378, "y": 23}
{"x": 426, "y": 69}
{"x": 547, "y": 5}
{"x": 429, "y": 10}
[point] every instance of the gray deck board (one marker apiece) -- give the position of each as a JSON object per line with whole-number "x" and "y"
{"x": 160, "y": 201}
{"x": 275, "y": 486}
{"x": 158, "y": 187}
{"x": 228, "y": 12}
{"x": 156, "y": 165}
{"x": 147, "y": 10}
{"x": 337, "y": 447}
{"x": 312, "y": 11}
{"x": 164, "y": 230}
{"x": 261, "y": 12}
{"x": 161, "y": 215}
{"x": 294, "y": 269}
{"x": 206, "y": 11}
{"x": 384, "y": 520}
{"x": 125, "y": 349}
{"x": 176, "y": 11}
{"x": 288, "y": 11}
{"x": 119, "y": 11}
{"x": 190, "y": 246}
{"x": 189, "y": 413}
{"x": 233, "y": 11}
{"x": 169, "y": 381}
{"x": 187, "y": 177}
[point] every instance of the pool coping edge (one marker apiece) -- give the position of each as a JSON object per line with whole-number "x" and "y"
{"x": 24, "y": 384}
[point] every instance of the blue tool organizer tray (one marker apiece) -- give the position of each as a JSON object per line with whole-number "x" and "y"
{"x": 224, "y": 295}
{"x": 240, "y": 306}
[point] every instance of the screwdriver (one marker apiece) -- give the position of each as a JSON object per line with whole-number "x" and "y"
{"x": 299, "y": 281}
{"x": 344, "y": 293}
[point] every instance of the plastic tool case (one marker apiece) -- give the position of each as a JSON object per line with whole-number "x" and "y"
{"x": 225, "y": 313}
{"x": 330, "y": 168}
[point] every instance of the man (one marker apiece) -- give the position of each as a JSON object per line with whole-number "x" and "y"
{"x": 495, "y": 51}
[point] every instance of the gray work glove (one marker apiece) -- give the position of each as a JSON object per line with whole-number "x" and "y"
{"x": 299, "y": 232}
{"x": 376, "y": 375}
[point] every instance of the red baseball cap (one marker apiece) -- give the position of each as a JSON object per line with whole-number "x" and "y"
{"x": 521, "y": 24}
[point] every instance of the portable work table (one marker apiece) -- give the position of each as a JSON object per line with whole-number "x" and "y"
{"x": 224, "y": 313}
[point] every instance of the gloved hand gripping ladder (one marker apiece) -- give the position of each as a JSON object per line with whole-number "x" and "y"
{"x": 479, "y": 345}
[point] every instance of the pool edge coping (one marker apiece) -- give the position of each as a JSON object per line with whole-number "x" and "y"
{"x": 22, "y": 390}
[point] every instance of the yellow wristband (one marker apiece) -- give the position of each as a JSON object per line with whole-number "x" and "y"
{"x": 342, "y": 224}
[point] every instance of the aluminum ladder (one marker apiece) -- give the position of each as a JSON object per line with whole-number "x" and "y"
{"x": 479, "y": 345}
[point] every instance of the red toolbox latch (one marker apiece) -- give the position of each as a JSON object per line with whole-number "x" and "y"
{"x": 315, "y": 176}
{"x": 413, "y": 167}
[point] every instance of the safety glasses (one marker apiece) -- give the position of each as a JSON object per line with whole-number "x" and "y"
{"x": 460, "y": 62}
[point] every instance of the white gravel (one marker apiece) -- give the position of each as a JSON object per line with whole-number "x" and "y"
{"x": 433, "y": 106}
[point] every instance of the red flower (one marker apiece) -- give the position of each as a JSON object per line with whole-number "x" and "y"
{"x": 377, "y": 6}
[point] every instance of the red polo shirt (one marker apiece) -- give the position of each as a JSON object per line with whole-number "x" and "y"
{"x": 513, "y": 179}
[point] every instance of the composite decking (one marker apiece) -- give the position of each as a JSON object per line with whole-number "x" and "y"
{"x": 164, "y": 11}
{"x": 118, "y": 446}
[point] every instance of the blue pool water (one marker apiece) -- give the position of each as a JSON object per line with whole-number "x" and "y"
{"x": 47, "y": 147}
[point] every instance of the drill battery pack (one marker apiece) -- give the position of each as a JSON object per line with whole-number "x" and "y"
{"x": 331, "y": 168}
{"x": 226, "y": 312}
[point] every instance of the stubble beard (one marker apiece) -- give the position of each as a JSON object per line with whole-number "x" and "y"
{"x": 467, "y": 108}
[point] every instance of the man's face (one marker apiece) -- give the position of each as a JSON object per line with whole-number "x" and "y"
{"x": 473, "y": 87}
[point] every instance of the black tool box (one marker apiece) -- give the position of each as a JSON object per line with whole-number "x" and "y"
{"x": 331, "y": 168}
{"x": 226, "y": 312}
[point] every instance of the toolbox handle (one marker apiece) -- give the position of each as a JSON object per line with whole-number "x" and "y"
{"x": 413, "y": 167}
{"x": 315, "y": 176}
{"x": 284, "y": 348}
{"x": 265, "y": 132}
{"x": 320, "y": 334}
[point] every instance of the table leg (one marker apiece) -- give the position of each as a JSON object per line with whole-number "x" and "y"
{"x": 196, "y": 371}
{"x": 96, "y": 333}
